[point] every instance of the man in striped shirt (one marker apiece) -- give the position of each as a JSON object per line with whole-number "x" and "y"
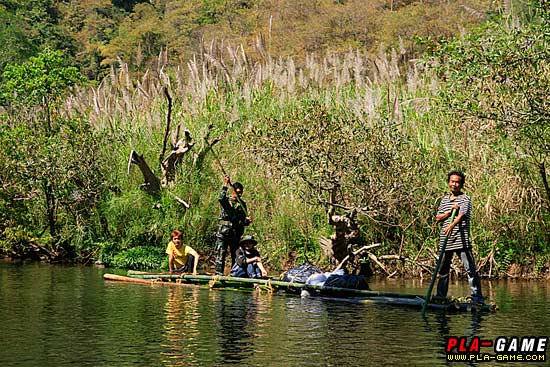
{"x": 458, "y": 233}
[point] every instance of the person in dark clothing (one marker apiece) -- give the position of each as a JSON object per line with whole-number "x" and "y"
{"x": 248, "y": 263}
{"x": 233, "y": 218}
{"x": 458, "y": 236}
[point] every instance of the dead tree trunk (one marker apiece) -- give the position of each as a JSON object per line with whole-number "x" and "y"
{"x": 346, "y": 232}
{"x": 168, "y": 166}
{"x": 152, "y": 183}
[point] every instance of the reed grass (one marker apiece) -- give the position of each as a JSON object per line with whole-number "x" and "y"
{"x": 225, "y": 88}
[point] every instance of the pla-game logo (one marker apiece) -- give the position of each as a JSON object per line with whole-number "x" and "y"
{"x": 502, "y": 349}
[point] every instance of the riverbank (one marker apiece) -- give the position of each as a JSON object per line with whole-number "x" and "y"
{"x": 390, "y": 271}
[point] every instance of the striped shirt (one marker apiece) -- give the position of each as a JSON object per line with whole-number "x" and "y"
{"x": 460, "y": 236}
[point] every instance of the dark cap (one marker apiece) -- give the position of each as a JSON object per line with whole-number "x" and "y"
{"x": 246, "y": 239}
{"x": 238, "y": 186}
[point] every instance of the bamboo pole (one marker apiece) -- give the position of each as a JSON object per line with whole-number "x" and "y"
{"x": 329, "y": 293}
{"x": 122, "y": 278}
{"x": 436, "y": 270}
{"x": 228, "y": 280}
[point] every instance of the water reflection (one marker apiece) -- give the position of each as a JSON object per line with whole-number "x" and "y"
{"x": 236, "y": 316}
{"x": 205, "y": 327}
{"x": 442, "y": 319}
{"x": 182, "y": 327}
{"x": 46, "y": 309}
{"x": 242, "y": 322}
{"x": 328, "y": 332}
{"x": 445, "y": 330}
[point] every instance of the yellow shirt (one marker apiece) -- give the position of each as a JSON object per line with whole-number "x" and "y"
{"x": 181, "y": 256}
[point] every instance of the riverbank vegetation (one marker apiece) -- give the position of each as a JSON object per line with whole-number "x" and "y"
{"x": 360, "y": 133}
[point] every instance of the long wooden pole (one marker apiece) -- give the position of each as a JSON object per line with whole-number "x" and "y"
{"x": 168, "y": 118}
{"x": 230, "y": 183}
{"x": 437, "y": 266}
{"x": 341, "y": 294}
{"x": 228, "y": 280}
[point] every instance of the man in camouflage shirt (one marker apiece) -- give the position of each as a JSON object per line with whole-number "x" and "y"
{"x": 233, "y": 218}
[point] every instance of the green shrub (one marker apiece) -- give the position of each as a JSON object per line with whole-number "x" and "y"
{"x": 139, "y": 258}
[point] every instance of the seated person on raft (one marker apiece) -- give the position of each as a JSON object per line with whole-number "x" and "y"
{"x": 181, "y": 258}
{"x": 248, "y": 263}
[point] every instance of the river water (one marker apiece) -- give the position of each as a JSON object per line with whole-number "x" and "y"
{"x": 69, "y": 316}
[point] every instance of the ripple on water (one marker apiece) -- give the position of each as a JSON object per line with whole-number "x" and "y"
{"x": 56, "y": 316}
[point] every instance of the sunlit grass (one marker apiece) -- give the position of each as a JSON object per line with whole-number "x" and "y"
{"x": 235, "y": 97}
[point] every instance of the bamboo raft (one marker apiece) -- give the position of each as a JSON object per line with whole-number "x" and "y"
{"x": 273, "y": 285}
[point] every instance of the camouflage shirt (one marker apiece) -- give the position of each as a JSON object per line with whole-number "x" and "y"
{"x": 233, "y": 210}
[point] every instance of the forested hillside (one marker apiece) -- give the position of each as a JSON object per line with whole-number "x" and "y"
{"x": 119, "y": 119}
{"x": 96, "y": 34}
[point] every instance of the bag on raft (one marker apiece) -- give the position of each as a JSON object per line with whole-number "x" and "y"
{"x": 347, "y": 281}
{"x": 300, "y": 273}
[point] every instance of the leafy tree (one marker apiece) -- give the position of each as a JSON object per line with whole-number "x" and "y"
{"x": 56, "y": 158}
{"x": 92, "y": 23}
{"x": 140, "y": 37}
{"x": 52, "y": 183}
{"x": 39, "y": 21}
{"x": 14, "y": 38}
{"x": 345, "y": 162}
{"x": 500, "y": 75}
{"x": 41, "y": 82}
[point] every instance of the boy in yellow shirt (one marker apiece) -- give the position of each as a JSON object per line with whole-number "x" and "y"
{"x": 181, "y": 258}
